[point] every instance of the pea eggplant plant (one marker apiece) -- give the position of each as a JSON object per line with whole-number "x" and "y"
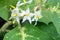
{"x": 30, "y": 19}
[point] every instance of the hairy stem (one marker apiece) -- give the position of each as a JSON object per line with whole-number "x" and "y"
{"x": 6, "y": 25}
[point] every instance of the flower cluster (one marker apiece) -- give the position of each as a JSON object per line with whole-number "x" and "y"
{"x": 25, "y": 14}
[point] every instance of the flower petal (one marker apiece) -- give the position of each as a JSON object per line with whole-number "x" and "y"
{"x": 19, "y": 4}
{"x": 35, "y": 8}
{"x": 29, "y": 19}
{"x": 24, "y": 19}
{"x": 17, "y": 19}
{"x": 29, "y": 2}
{"x": 28, "y": 10}
{"x": 35, "y": 23}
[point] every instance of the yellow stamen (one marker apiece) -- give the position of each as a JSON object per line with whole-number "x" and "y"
{"x": 15, "y": 14}
{"x": 12, "y": 6}
{"x": 27, "y": 14}
{"x": 38, "y": 16}
{"x": 24, "y": 1}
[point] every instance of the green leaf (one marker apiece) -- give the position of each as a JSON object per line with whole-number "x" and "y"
{"x": 50, "y": 29}
{"x": 46, "y": 16}
{"x": 56, "y": 21}
{"x": 28, "y": 32}
{"x": 5, "y": 8}
{"x": 51, "y": 3}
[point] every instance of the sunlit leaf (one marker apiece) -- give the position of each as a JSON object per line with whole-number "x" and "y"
{"x": 5, "y": 8}
{"x": 29, "y": 32}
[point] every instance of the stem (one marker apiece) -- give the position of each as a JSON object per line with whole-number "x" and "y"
{"x": 6, "y": 25}
{"x": 22, "y": 31}
{"x": 19, "y": 24}
{"x": 23, "y": 34}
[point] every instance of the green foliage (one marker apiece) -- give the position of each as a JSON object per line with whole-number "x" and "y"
{"x": 5, "y": 8}
{"x": 46, "y": 16}
{"x": 29, "y": 33}
{"x": 47, "y": 28}
{"x": 56, "y": 21}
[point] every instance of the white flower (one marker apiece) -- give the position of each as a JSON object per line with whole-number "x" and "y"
{"x": 27, "y": 16}
{"x": 37, "y": 15}
{"x": 15, "y": 13}
{"x": 29, "y": 2}
{"x": 19, "y": 4}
